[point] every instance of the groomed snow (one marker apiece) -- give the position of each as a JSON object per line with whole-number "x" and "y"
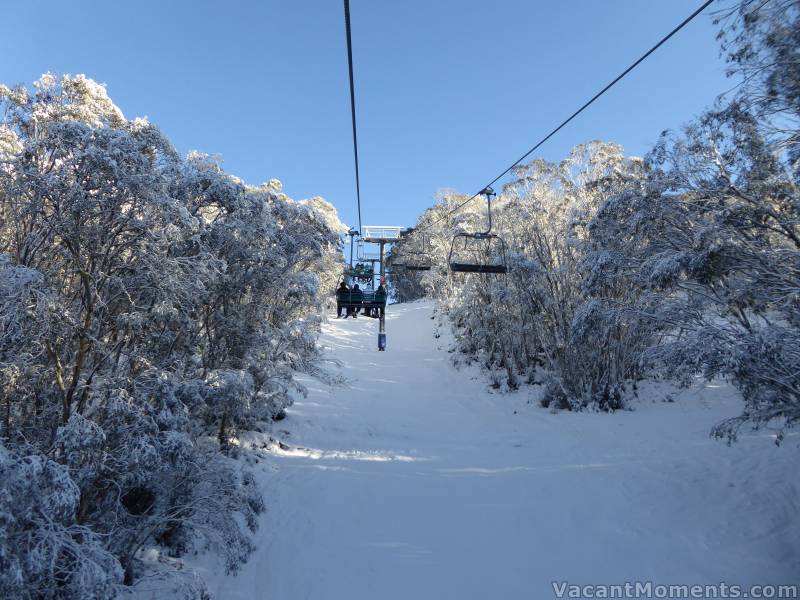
{"x": 416, "y": 482}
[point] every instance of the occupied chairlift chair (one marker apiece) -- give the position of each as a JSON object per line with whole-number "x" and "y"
{"x": 363, "y": 273}
{"x": 364, "y": 270}
{"x": 483, "y": 252}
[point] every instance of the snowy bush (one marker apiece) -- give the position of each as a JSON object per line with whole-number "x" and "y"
{"x": 684, "y": 263}
{"x": 44, "y": 551}
{"x": 714, "y": 234}
{"x": 543, "y": 321}
{"x": 149, "y": 305}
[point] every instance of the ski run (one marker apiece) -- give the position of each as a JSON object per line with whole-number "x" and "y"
{"x": 412, "y": 480}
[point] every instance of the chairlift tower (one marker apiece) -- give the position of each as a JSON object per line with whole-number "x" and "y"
{"x": 381, "y": 235}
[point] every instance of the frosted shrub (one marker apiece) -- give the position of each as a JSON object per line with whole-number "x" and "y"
{"x": 150, "y": 305}
{"x": 543, "y": 321}
{"x": 684, "y": 263}
{"x": 44, "y": 551}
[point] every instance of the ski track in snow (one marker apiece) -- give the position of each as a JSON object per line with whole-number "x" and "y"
{"x": 416, "y": 482}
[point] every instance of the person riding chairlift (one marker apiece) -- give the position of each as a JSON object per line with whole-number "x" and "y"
{"x": 342, "y": 288}
{"x": 356, "y": 295}
{"x": 380, "y": 296}
{"x": 374, "y": 311}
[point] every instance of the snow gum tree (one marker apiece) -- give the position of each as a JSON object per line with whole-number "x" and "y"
{"x": 683, "y": 264}
{"x": 541, "y": 321}
{"x": 44, "y": 551}
{"x": 715, "y": 234}
{"x": 150, "y": 305}
{"x": 715, "y": 231}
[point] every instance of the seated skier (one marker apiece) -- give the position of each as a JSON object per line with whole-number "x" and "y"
{"x": 356, "y": 295}
{"x": 343, "y": 289}
{"x": 380, "y": 297}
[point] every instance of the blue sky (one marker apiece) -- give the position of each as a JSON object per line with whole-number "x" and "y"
{"x": 448, "y": 92}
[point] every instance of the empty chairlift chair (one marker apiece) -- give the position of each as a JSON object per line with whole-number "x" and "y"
{"x": 418, "y": 260}
{"x": 482, "y": 252}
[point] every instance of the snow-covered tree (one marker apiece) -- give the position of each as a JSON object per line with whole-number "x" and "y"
{"x": 686, "y": 262}
{"x": 45, "y": 553}
{"x": 150, "y": 306}
{"x": 715, "y": 234}
{"x": 541, "y": 321}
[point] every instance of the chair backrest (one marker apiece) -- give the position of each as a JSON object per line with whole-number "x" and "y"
{"x": 482, "y": 253}
{"x": 359, "y": 296}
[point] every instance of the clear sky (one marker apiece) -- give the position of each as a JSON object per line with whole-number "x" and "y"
{"x": 448, "y": 92}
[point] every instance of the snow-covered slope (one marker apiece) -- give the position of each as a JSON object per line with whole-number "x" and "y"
{"x": 416, "y": 482}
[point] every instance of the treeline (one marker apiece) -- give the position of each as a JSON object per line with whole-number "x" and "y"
{"x": 680, "y": 264}
{"x": 150, "y": 306}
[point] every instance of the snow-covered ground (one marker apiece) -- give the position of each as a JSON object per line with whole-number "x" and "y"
{"x": 416, "y": 482}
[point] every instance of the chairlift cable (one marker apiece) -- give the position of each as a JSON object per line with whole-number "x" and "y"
{"x": 586, "y": 105}
{"x": 352, "y": 104}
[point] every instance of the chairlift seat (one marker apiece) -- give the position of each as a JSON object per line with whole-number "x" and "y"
{"x": 363, "y": 272}
{"x": 417, "y": 261}
{"x": 351, "y": 299}
{"x": 487, "y": 256}
{"x": 458, "y": 267}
